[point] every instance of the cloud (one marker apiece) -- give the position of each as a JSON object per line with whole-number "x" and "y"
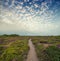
{"x": 26, "y": 0}
{"x": 28, "y": 20}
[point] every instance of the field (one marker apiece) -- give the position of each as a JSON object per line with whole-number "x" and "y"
{"x": 47, "y": 48}
{"x": 13, "y": 48}
{"x": 16, "y": 48}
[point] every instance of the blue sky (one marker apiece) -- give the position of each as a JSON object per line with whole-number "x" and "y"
{"x": 30, "y": 17}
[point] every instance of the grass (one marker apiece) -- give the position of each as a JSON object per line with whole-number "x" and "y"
{"x": 46, "y": 48}
{"x": 16, "y": 51}
{"x": 15, "y": 47}
{"x": 53, "y": 53}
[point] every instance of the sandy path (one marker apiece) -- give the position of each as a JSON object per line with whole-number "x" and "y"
{"x": 32, "y": 54}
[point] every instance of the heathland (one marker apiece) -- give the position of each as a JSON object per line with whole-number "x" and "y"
{"x": 32, "y": 48}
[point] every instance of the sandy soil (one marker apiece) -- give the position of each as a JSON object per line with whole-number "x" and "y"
{"x": 32, "y": 53}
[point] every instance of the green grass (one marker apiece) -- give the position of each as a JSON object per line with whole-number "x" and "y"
{"x": 18, "y": 51}
{"x": 19, "y": 47}
{"x": 50, "y": 53}
{"x": 53, "y": 53}
{"x": 1, "y": 49}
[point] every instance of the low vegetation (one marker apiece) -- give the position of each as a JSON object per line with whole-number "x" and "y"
{"x": 47, "y": 48}
{"x": 53, "y": 53}
{"x": 17, "y": 51}
{"x": 13, "y": 49}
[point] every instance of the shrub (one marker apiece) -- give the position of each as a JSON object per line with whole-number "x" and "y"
{"x": 53, "y": 53}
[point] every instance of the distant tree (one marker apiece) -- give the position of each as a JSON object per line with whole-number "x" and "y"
{"x": 10, "y": 35}
{"x": 4, "y": 35}
{"x": 13, "y": 35}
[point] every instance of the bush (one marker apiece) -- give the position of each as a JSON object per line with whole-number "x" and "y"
{"x": 53, "y": 53}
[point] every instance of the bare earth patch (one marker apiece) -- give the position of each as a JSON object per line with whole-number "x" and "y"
{"x": 32, "y": 56}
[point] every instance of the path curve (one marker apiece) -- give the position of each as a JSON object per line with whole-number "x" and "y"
{"x": 32, "y": 56}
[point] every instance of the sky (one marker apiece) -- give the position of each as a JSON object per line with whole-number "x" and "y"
{"x": 30, "y": 17}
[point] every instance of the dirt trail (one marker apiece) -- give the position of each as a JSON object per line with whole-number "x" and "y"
{"x": 32, "y": 53}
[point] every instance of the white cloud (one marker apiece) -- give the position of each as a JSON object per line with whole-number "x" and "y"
{"x": 27, "y": 19}
{"x": 26, "y": 0}
{"x": 36, "y": 5}
{"x": 7, "y": 21}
